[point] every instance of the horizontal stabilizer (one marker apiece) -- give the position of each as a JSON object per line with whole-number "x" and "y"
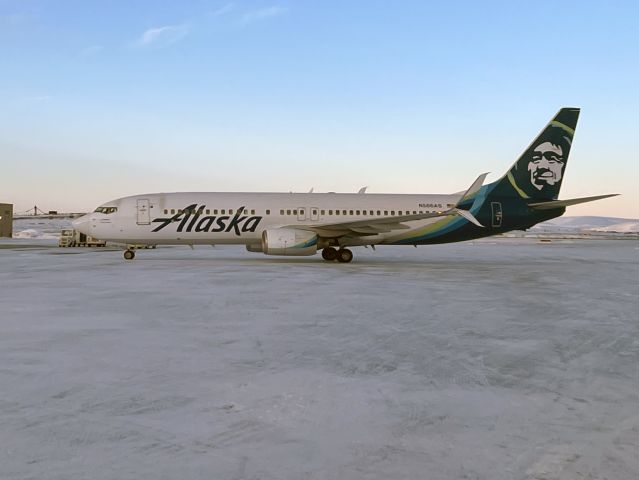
{"x": 468, "y": 216}
{"x": 566, "y": 203}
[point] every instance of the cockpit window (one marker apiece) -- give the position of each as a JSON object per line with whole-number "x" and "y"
{"x": 106, "y": 210}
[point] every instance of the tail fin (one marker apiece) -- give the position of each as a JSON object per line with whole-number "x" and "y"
{"x": 538, "y": 173}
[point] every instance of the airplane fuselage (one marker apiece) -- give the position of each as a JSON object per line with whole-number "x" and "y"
{"x": 216, "y": 218}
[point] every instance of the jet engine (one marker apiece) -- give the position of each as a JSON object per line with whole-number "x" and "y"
{"x": 289, "y": 241}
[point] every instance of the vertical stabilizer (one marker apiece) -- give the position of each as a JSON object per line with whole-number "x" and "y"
{"x": 539, "y": 171}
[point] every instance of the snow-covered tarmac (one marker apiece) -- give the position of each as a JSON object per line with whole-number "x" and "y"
{"x": 504, "y": 359}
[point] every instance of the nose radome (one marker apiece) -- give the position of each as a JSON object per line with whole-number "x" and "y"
{"x": 81, "y": 224}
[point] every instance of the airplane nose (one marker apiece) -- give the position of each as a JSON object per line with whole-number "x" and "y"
{"x": 82, "y": 224}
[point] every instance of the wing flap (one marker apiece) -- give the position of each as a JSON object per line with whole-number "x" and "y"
{"x": 371, "y": 230}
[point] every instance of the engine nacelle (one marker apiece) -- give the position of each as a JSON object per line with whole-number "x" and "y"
{"x": 254, "y": 248}
{"x": 289, "y": 241}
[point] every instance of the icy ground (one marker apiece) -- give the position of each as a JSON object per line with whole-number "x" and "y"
{"x": 506, "y": 359}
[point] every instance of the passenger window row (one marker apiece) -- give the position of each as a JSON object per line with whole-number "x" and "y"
{"x": 208, "y": 211}
{"x": 283, "y": 212}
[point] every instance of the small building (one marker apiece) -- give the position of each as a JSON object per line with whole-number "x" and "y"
{"x": 6, "y": 220}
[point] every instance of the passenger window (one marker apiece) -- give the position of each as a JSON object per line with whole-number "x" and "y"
{"x": 364, "y": 212}
{"x": 343, "y": 212}
{"x": 385, "y": 212}
{"x": 215, "y": 212}
{"x": 252, "y": 212}
{"x": 180, "y": 211}
{"x": 208, "y": 211}
{"x": 230, "y": 211}
{"x": 294, "y": 212}
{"x": 288, "y": 212}
{"x": 172, "y": 211}
{"x": 336, "y": 212}
{"x": 392, "y": 212}
{"x": 371, "y": 212}
{"x": 268, "y": 212}
{"x": 330, "y": 212}
{"x": 356, "y": 212}
{"x": 379, "y": 212}
{"x": 200, "y": 211}
{"x": 222, "y": 211}
{"x": 166, "y": 211}
{"x": 323, "y": 212}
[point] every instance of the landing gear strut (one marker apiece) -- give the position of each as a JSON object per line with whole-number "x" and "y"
{"x": 129, "y": 254}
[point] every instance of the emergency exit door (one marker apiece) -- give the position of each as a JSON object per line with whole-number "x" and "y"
{"x": 144, "y": 214}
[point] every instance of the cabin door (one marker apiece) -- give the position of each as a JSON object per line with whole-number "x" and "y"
{"x": 144, "y": 213}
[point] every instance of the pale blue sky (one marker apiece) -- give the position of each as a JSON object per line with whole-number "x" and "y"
{"x": 104, "y": 99}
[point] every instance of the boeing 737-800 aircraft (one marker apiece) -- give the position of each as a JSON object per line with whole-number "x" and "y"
{"x": 303, "y": 223}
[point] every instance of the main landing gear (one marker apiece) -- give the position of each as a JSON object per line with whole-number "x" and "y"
{"x": 129, "y": 254}
{"x": 343, "y": 255}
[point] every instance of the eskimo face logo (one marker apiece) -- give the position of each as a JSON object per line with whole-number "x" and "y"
{"x": 192, "y": 219}
{"x": 546, "y": 166}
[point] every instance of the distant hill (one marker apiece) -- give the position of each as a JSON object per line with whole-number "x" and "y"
{"x": 596, "y": 224}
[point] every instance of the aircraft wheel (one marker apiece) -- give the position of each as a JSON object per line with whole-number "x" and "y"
{"x": 129, "y": 254}
{"x": 329, "y": 254}
{"x": 344, "y": 255}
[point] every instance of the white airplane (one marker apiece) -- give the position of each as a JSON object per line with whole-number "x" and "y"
{"x": 302, "y": 223}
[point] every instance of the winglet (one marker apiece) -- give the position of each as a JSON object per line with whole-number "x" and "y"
{"x": 362, "y": 190}
{"x": 474, "y": 188}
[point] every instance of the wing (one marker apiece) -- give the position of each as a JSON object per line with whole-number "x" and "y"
{"x": 377, "y": 225}
{"x": 370, "y": 226}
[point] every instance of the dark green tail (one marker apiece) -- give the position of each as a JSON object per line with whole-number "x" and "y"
{"x": 538, "y": 173}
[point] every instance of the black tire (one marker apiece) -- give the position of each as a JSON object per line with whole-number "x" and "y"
{"x": 129, "y": 254}
{"x": 344, "y": 255}
{"x": 329, "y": 254}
